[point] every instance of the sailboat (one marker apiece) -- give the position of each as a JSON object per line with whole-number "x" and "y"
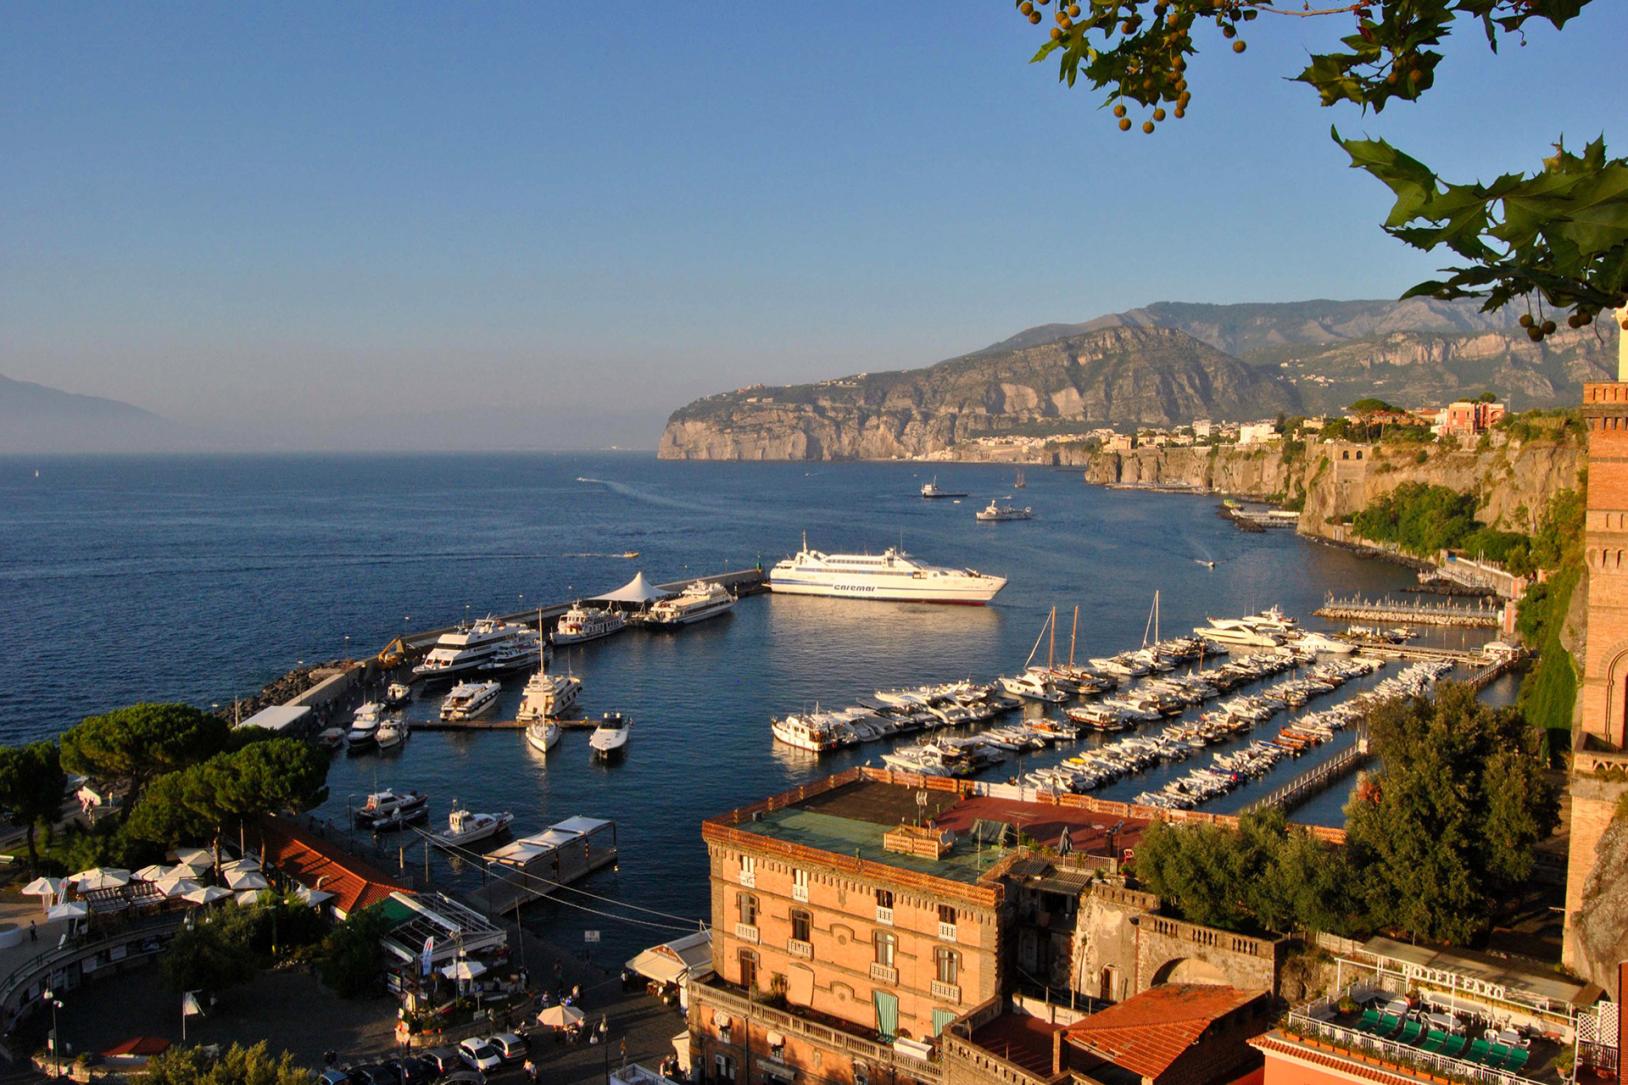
{"x": 1036, "y": 683}
{"x": 1018, "y": 483}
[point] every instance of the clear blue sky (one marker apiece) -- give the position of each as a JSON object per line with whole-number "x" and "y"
{"x": 292, "y": 214}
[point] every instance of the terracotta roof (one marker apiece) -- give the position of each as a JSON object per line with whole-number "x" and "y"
{"x": 139, "y": 1045}
{"x": 318, "y": 863}
{"x": 1148, "y": 1032}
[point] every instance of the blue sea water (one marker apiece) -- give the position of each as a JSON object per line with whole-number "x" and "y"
{"x": 198, "y": 579}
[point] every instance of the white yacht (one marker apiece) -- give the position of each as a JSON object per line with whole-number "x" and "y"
{"x": 467, "y": 648}
{"x": 609, "y": 740}
{"x": 392, "y": 732}
{"x": 391, "y": 809}
{"x": 526, "y": 650}
{"x": 364, "y": 727}
{"x": 1324, "y": 645}
{"x": 932, "y": 489}
{"x": 1033, "y": 687}
{"x": 548, "y": 695}
{"x": 582, "y": 623}
{"x": 817, "y": 731}
{"x": 893, "y": 575}
{"x": 997, "y": 513}
{"x": 470, "y": 699}
{"x": 464, "y": 827}
{"x": 1238, "y": 631}
{"x": 698, "y": 601}
{"x": 542, "y": 735}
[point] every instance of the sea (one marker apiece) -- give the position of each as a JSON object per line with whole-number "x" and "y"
{"x": 200, "y": 579}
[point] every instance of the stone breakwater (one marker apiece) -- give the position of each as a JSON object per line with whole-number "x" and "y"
{"x": 282, "y": 689}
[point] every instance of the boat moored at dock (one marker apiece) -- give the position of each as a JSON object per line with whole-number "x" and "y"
{"x": 547, "y": 695}
{"x": 391, "y": 809}
{"x": 465, "y": 827}
{"x": 700, "y": 600}
{"x": 542, "y": 735}
{"x": 469, "y": 647}
{"x": 893, "y": 576}
{"x": 581, "y": 623}
{"x": 609, "y": 740}
{"x": 469, "y": 700}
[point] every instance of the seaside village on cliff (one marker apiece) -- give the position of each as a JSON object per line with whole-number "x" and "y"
{"x": 873, "y": 927}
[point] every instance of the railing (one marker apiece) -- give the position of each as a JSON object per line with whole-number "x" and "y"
{"x": 1314, "y": 779}
{"x": 799, "y": 948}
{"x": 946, "y": 932}
{"x": 884, "y": 915}
{"x": 878, "y": 1055}
{"x": 1399, "y": 1054}
{"x": 884, "y": 973}
{"x": 948, "y": 992}
{"x": 746, "y": 932}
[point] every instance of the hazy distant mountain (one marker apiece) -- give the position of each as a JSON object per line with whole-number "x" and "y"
{"x": 1111, "y": 375}
{"x": 34, "y": 418}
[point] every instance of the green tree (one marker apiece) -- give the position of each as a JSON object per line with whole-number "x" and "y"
{"x": 214, "y": 955}
{"x": 279, "y": 775}
{"x": 1461, "y": 801}
{"x": 32, "y": 784}
{"x": 351, "y": 958}
{"x": 1560, "y": 233}
{"x": 131, "y": 746}
{"x": 237, "y": 1066}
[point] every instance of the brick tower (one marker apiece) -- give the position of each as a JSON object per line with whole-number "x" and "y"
{"x": 1600, "y": 735}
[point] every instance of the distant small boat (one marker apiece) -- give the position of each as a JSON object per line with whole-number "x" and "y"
{"x": 630, "y": 554}
{"x": 1019, "y": 483}
{"x": 932, "y": 489}
{"x": 1206, "y": 562}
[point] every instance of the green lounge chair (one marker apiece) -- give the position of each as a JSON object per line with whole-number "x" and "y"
{"x": 1388, "y": 1024}
{"x": 1369, "y": 1022}
{"x": 1411, "y": 1031}
{"x": 1479, "y": 1050}
{"x": 1517, "y": 1059}
{"x": 1455, "y": 1046}
{"x": 1497, "y": 1053}
{"x": 1435, "y": 1042}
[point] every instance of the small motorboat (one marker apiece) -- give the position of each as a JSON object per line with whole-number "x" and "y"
{"x": 391, "y": 809}
{"x": 1206, "y": 562}
{"x": 609, "y": 740}
{"x": 542, "y": 735}
{"x": 465, "y": 827}
{"x": 392, "y": 732}
{"x": 364, "y": 727}
{"x": 396, "y": 695}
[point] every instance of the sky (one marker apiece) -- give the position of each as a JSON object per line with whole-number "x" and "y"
{"x": 552, "y": 224}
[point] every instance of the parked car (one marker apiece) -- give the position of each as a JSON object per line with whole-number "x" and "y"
{"x": 373, "y": 1074}
{"x": 479, "y": 1054}
{"x": 416, "y": 1070}
{"x": 462, "y": 1077}
{"x": 333, "y": 1077}
{"x": 444, "y": 1059}
{"x": 510, "y": 1046}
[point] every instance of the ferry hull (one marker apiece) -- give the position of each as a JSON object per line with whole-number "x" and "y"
{"x": 886, "y": 593}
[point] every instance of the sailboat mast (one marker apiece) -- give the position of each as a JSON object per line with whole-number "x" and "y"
{"x": 1073, "y": 633}
{"x": 1036, "y": 648}
{"x": 1051, "y": 650}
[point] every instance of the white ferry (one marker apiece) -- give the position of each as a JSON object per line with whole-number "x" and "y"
{"x": 468, "y": 647}
{"x": 698, "y": 601}
{"x": 582, "y": 623}
{"x": 470, "y": 699}
{"x": 894, "y": 575}
{"x": 997, "y": 512}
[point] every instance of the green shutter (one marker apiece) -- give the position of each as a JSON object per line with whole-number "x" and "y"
{"x": 940, "y": 1019}
{"x": 887, "y": 1015}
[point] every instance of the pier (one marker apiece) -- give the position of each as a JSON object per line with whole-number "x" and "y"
{"x": 1302, "y": 787}
{"x": 1409, "y": 612}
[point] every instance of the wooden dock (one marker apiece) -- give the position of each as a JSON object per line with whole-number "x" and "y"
{"x": 583, "y": 724}
{"x": 1411, "y": 612}
{"x": 1314, "y": 779}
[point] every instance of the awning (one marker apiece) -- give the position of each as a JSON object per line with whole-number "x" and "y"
{"x": 637, "y": 590}
{"x": 670, "y": 962}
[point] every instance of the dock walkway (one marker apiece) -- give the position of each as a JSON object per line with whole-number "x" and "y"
{"x": 1315, "y": 779}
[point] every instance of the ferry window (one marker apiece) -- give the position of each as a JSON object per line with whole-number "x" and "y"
{"x": 748, "y": 962}
{"x": 884, "y": 898}
{"x": 949, "y": 966}
{"x": 946, "y": 914}
{"x": 886, "y": 945}
{"x": 802, "y": 925}
{"x": 746, "y": 903}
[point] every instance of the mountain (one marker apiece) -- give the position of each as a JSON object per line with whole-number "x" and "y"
{"x": 1162, "y": 364}
{"x": 35, "y": 418}
{"x": 1073, "y": 383}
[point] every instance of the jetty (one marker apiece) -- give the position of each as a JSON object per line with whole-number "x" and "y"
{"x": 531, "y": 868}
{"x": 1296, "y": 791}
{"x": 1412, "y": 612}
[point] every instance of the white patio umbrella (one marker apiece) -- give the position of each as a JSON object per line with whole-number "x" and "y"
{"x": 561, "y": 1016}
{"x": 43, "y": 887}
{"x": 74, "y": 909}
{"x": 196, "y": 858}
{"x": 247, "y": 898}
{"x": 208, "y": 894}
{"x": 176, "y": 886}
{"x": 246, "y": 879}
{"x": 463, "y": 970}
{"x": 240, "y": 864}
{"x": 154, "y": 872}
{"x": 99, "y": 878}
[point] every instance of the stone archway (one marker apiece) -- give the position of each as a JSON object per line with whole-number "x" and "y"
{"x": 1189, "y": 970}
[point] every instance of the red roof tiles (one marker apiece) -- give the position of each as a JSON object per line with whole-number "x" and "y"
{"x": 1148, "y": 1032}
{"x": 317, "y": 863}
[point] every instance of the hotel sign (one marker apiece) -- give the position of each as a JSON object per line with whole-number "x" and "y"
{"x": 1442, "y": 978}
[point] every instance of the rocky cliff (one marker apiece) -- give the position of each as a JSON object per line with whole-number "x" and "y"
{"x": 1120, "y": 375}
{"x": 1514, "y": 479}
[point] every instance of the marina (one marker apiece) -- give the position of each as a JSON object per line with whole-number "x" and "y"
{"x": 1483, "y": 615}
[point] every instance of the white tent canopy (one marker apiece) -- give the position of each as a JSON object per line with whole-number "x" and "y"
{"x": 637, "y": 590}
{"x": 675, "y": 960}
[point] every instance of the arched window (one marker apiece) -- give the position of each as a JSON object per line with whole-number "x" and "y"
{"x": 748, "y": 966}
{"x": 948, "y": 962}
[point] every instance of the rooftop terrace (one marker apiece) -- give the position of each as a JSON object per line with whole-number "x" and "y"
{"x": 850, "y": 819}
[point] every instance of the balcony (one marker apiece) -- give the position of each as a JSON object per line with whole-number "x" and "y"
{"x": 1465, "y": 1057}
{"x": 799, "y": 891}
{"x": 946, "y": 932}
{"x": 884, "y": 915}
{"x": 749, "y": 878}
{"x": 884, "y": 973}
{"x": 829, "y": 1033}
{"x": 947, "y": 992}
{"x": 799, "y": 948}
{"x": 746, "y": 933}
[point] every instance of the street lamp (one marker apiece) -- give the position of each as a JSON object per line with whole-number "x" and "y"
{"x": 56, "y": 1041}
